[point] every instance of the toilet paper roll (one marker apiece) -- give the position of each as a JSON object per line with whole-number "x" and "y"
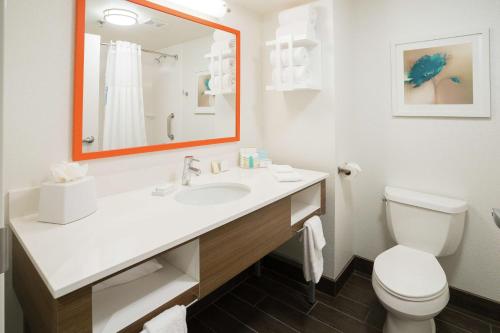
{"x": 350, "y": 170}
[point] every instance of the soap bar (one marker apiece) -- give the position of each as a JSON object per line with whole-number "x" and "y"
{"x": 163, "y": 189}
{"x": 215, "y": 167}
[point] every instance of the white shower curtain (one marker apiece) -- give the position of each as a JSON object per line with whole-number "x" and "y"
{"x": 124, "y": 124}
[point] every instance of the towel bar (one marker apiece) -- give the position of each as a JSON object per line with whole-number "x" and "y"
{"x": 192, "y": 303}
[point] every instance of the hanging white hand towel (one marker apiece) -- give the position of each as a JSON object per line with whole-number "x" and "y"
{"x": 314, "y": 242}
{"x": 172, "y": 320}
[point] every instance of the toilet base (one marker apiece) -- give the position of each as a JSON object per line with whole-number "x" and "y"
{"x": 394, "y": 324}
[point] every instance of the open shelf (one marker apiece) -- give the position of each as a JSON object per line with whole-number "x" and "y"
{"x": 298, "y": 40}
{"x": 286, "y": 43}
{"x": 223, "y": 54}
{"x": 305, "y": 203}
{"x": 117, "y": 307}
{"x": 300, "y": 86}
{"x": 222, "y": 92}
{"x": 301, "y": 210}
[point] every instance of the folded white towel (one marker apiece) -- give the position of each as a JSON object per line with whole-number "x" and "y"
{"x": 228, "y": 66}
{"x": 298, "y": 74}
{"x": 149, "y": 267}
{"x": 284, "y": 177}
{"x": 302, "y": 28}
{"x": 223, "y": 45}
{"x": 281, "y": 168}
{"x": 300, "y": 57}
{"x": 172, "y": 320}
{"x": 228, "y": 81}
{"x": 300, "y": 13}
{"x": 215, "y": 83}
{"x": 314, "y": 242}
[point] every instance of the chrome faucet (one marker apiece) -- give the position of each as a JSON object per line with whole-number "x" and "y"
{"x": 189, "y": 169}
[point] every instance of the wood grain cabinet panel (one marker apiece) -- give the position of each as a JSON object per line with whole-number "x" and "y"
{"x": 71, "y": 313}
{"x": 230, "y": 249}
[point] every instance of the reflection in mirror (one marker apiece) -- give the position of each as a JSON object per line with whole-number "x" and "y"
{"x": 151, "y": 78}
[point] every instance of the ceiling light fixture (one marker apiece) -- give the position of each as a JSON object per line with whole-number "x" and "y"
{"x": 214, "y": 8}
{"x": 120, "y": 16}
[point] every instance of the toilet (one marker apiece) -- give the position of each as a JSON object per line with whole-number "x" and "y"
{"x": 408, "y": 280}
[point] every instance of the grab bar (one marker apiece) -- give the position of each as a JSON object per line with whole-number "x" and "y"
{"x": 169, "y": 126}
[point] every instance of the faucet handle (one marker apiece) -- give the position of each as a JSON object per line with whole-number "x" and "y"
{"x": 191, "y": 158}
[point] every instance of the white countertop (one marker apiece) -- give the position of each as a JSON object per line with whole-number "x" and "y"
{"x": 134, "y": 226}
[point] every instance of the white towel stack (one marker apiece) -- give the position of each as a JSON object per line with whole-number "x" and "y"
{"x": 294, "y": 64}
{"x": 172, "y": 320}
{"x": 223, "y": 69}
{"x": 284, "y": 173}
{"x": 299, "y": 20}
{"x": 314, "y": 242}
{"x": 228, "y": 66}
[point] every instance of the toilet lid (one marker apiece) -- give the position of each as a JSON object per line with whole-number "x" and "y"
{"x": 410, "y": 273}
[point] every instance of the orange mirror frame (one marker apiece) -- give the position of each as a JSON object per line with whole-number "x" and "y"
{"x": 78, "y": 154}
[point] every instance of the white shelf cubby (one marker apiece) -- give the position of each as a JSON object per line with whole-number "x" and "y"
{"x": 315, "y": 60}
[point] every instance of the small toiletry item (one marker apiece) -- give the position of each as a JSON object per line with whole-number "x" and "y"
{"x": 247, "y": 158}
{"x": 224, "y": 166}
{"x": 265, "y": 163}
{"x": 215, "y": 167}
{"x": 163, "y": 190}
{"x": 68, "y": 201}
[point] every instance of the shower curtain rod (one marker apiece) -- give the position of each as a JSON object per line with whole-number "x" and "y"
{"x": 175, "y": 56}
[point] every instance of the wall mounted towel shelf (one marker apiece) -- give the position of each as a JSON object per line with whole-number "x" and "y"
{"x": 284, "y": 43}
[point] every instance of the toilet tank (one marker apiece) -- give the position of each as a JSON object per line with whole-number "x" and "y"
{"x": 426, "y": 222}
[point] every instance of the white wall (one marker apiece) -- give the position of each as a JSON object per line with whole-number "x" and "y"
{"x": 38, "y": 106}
{"x": 343, "y": 96}
{"x": 298, "y": 126}
{"x": 2, "y": 176}
{"x": 454, "y": 157}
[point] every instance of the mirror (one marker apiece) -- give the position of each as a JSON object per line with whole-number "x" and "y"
{"x": 150, "y": 78}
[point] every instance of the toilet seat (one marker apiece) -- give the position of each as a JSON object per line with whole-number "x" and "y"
{"x": 410, "y": 274}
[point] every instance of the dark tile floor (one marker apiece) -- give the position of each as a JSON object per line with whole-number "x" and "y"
{"x": 274, "y": 303}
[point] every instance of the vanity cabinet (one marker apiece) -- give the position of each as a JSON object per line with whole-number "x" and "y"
{"x": 230, "y": 249}
{"x": 191, "y": 270}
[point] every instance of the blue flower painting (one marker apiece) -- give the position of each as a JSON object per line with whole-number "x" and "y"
{"x": 440, "y": 75}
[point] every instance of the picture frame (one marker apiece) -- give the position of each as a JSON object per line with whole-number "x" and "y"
{"x": 442, "y": 76}
{"x": 205, "y": 101}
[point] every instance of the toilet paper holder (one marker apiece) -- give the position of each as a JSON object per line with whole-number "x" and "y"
{"x": 495, "y": 212}
{"x": 344, "y": 171}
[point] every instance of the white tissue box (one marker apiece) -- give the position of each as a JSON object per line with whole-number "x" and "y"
{"x": 64, "y": 203}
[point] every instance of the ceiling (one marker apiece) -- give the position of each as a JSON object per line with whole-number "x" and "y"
{"x": 266, "y": 6}
{"x": 161, "y": 31}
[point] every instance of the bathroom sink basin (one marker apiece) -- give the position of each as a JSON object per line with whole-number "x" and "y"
{"x": 212, "y": 194}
